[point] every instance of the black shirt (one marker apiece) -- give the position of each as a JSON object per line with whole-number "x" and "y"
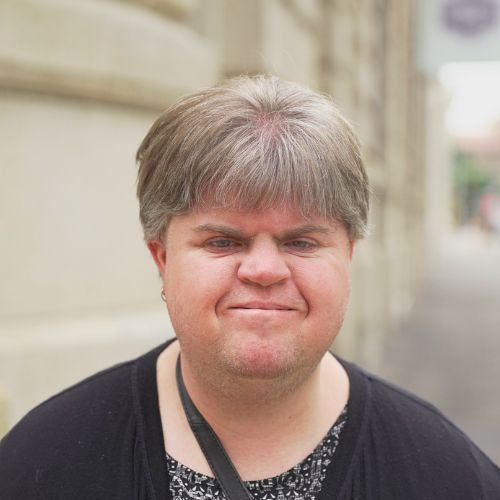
{"x": 102, "y": 439}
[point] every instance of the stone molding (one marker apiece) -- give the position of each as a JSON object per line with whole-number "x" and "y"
{"x": 176, "y": 9}
{"x": 112, "y": 51}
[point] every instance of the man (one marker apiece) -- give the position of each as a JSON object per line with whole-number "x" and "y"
{"x": 252, "y": 197}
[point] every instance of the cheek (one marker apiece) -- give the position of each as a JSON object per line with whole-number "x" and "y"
{"x": 196, "y": 285}
{"x": 327, "y": 291}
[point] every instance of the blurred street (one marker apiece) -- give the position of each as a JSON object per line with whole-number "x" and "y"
{"x": 448, "y": 351}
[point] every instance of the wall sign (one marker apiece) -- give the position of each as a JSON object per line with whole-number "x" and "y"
{"x": 457, "y": 31}
{"x": 469, "y": 17}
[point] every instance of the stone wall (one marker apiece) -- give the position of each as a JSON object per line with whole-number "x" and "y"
{"x": 81, "y": 82}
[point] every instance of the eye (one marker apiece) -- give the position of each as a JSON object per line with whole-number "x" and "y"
{"x": 301, "y": 245}
{"x": 221, "y": 245}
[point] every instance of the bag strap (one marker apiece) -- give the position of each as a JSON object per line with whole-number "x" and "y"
{"x": 221, "y": 465}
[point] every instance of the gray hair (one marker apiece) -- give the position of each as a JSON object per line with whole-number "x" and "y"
{"x": 252, "y": 143}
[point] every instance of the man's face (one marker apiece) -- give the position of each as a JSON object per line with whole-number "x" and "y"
{"x": 254, "y": 294}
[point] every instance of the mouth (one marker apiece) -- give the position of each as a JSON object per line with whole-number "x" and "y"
{"x": 262, "y": 306}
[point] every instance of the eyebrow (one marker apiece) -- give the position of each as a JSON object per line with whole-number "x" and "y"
{"x": 237, "y": 234}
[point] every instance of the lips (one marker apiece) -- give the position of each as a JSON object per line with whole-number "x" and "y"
{"x": 266, "y": 306}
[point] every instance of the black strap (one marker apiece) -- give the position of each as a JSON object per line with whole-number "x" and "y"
{"x": 221, "y": 465}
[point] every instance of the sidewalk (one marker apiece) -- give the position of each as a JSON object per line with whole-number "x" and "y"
{"x": 448, "y": 351}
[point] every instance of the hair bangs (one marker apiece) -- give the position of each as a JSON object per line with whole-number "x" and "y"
{"x": 250, "y": 144}
{"x": 263, "y": 173}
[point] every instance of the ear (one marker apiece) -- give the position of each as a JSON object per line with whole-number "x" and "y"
{"x": 159, "y": 254}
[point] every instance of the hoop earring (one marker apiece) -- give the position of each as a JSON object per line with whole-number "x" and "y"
{"x": 162, "y": 295}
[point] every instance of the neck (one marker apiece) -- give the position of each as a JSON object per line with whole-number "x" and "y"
{"x": 252, "y": 416}
{"x": 239, "y": 406}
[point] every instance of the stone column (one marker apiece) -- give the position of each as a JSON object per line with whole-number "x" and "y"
{"x": 80, "y": 84}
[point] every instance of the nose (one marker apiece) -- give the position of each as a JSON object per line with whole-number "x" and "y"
{"x": 263, "y": 264}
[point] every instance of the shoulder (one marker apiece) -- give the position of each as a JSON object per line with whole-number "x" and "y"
{"x": 412, "y": 415}
{"x": 424, "y": 449}
{"x": 72, "y": 438}
{"x": 97, "y": 397}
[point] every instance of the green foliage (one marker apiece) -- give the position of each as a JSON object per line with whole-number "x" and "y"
{"x": 469, "y": 175}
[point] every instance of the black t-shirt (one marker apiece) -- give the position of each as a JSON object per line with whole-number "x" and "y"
{"x": 102, "y": 439}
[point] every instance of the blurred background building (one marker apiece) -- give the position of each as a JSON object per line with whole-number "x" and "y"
{"x": 80, "y": 84}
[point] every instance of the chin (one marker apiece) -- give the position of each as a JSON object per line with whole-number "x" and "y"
{"x": 261, "y": 360}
